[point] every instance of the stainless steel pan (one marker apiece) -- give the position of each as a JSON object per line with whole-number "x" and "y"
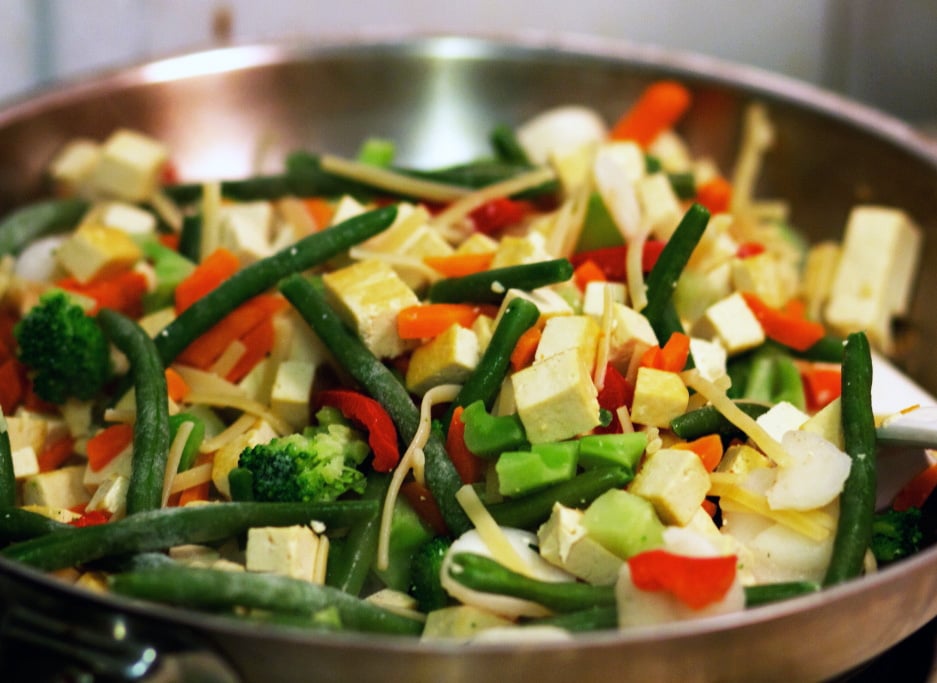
{"x": 438, "y": 97}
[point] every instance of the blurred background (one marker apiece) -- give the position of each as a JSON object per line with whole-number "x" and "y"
{"x": 880, "y": 52}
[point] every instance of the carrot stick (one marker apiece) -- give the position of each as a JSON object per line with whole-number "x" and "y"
{"x": 206, "y": 349}
{"x": 258, "y": 342}
{"x": 176, "y": 385}
{"x": 658, "y": 108}
{"x": 319, "y": 210}
{"x": 122, "y": 292}
{"x": 211, "y": 272}
{"x": 715, "y": 194}
{"x": 428, "y": 320}
{"x": 55, "y": 453}
{"x": 458, "y": 265}
{"x": 672, "y": 357}
{"x": 107, "y": 444}
{"x": 588, "y": 271}
{"x": 526, "y": 348}
{"x": 708, "y": 448}
{"x": 794, "y": 331}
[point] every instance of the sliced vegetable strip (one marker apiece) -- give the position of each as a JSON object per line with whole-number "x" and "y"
{"x": 264, "y": 274}
{"x": 857, "y": 501}
{"x": 160, "y": 529}
{"x": 217, "y": 589}
{"x": 786, "y": 328}
{"x": 658, "y": 108}
{"x": 370, "y": 415}
{"x": 429, "y": 320}
{"x": 383, "y": 386}
{"x": 151, "y": 428}
{"x": 695, "y": 581}
{"x": 490, "y": 286}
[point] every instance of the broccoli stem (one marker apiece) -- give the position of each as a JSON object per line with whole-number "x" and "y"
{"x": 151, "y": 431}
{"x": 166, "y": 527}
{"x": 216, "y": 589}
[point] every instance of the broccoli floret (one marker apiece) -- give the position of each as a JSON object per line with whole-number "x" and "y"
{"x": 425, "y": 569}
{"x": 65, "y": 349}
{"x": 317, "y": 465}
{"x": 896, "y": 534}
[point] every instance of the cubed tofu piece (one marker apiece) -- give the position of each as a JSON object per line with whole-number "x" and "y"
{"x": 61, "y": 488}
{"x": 410, "y": 234}
{"x": 573, "y": 166}
{"x": 577, "y": 332}
{"x": 131, "y": 219}
{"x": 226, "y": 457}
{"x": 672, "y": 152}
{"x": 27, "y": 430}
{"x": 347, "y": 207}
{"x": 245, "y": 229}
{"x": 369, "y": 295}
{"x": 515, "y": 251}
{"x": 63, "y": 515}
{"x": 477, "y": 243}
{"x": 709, "y": 357}
{"x": 828, "y": 423}
{"x": 289, "y": 396}
{"x": 781, "y": 418}
{"x": 660, "y": 205}
{"x": 289, "y": 551}
{"x": 741, "y": 459}
{"x": 564, "y": 543}
{"x": 448, "y": 358}
{"x": 74, "y": 164}
{"x": 880, "y": 254}
{"x": 25, "y": 462}
{"x": 675, "y": 482}
{"x": 460, "y": 623}
{"x": 556, "y": 398}
{"x": 762, "y": 274}
{"x": 547, "y": 301}
{"x": 129, "y": 166}
{"x": 731, "y": 322}
{"x": 716, "y": 247}
{"x": 295, "y": 340}
{"x": 153, "y": 322}
{"x": 484, "y": 328}
{"x": 593, "y": 299}
{"x": 97, "y": 251}
{"x": 629, "y": 330}
{"x": 659, "y": 397}
{"x": 111, "y": 496}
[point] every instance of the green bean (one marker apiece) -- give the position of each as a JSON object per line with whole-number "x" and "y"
{"x": 378, "y": 381}
{"x": 762, "y": 594}
{"x": 38, "y": 220}
{"x": 485, "y": 381}
{"x": 217, "y": 589}
{"x": 662, "y": 280}
{"x": 241, "y": 483}
{"x": 490, "y": 286}
{"x": 857, "y": 501}
{"x": 828, "y": 350}
{"x": 151, "y": 432}
{"x": 190, "y": 238}
{"x": 166, "y": 527}
{"x": 349, "y": 569}
{"x": 264, "y": 274}
{"x": 483, "y": 574}
{"x": 683, "y": 184}
{"x": 17, "y": 524}
{"x": 7, "y": 475}
{"x": 708, "y": 420}
{"x": 532, "y": 509}
{"x": 582, "y": 621}
{"x": 506, "y": 146}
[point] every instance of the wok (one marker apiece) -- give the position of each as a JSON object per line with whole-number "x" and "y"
{"x": 438, "y": 97}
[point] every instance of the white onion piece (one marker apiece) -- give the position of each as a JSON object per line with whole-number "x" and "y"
{"x": 37, "y": 262}
{"x": 559, "y": 131}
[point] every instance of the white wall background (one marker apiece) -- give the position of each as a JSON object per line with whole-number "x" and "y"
{"x": 882, "y": 52}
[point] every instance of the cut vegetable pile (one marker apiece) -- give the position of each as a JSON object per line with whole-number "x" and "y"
{"x": 588, "y": 382}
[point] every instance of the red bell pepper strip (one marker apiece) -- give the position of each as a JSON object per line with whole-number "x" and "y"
{"x": 495, "y": 215}
{"x": 92, "y": 518}
{"x": 672, "y": 357}
{"x": 470, "y": 467}
{"x": 616, "y": 392}
{"x": 370, "y": 415}
{"x": 823, "y": 383}
{"x": 783, "y": 326}
{"x": 421, "y": 500}
{"x": 611, "y": 260}
{"x": 695, "y": 581}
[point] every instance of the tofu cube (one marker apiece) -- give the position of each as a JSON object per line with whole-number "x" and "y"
{"x": 129, "y": 166}
{"x": 129, "y": 218}
{"x": 709, "y": 357}
{"x": 74, "y": 164}
{"x": 556, "y": 398}
{"x": 412, "y": 235}
{"x": 121, "y": 465}
{"x": 289, "y": 397}
{"x": 61, "y": 488}
{"x": 659, "y": 204}
{"x": 675, "y": 482}
{"x": 347, "y": 207}
{"x": 741, "y": 459}
{"x": 880, "y": 254}
{"x": 731, "y": 322}
{"x": 25, "y": 462}
{"x": 564, "y": 543}
{"x": 629, "y": 330}
{"x": 780, "y": 418}
{"x": 289, "y": 551}
{"x": 369, "y": 295}
{"x": 515, "y": 251}
{"x": 659, "y": 397}
{"x": 448, "y": 358}
{"x": 547, "y": 300}
{"x": 477, "y": 243}
{"x": 562, "y": 332}
{"x": 95, "y": 251}
{"x": 461, "y": 623}
{"x": 593, "y": 299}
{"x": 245, "y": 229}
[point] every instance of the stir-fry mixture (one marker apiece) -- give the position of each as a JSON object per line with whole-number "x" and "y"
{"x": 587, "y": 382}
